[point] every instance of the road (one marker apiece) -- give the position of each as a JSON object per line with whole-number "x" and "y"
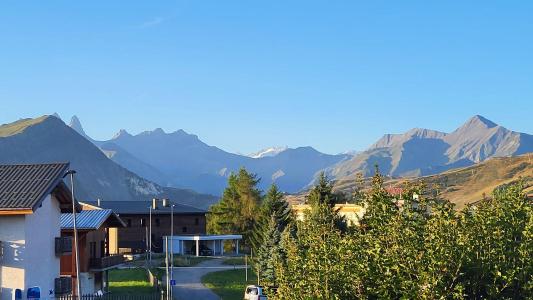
{"x": 189, "y": 280}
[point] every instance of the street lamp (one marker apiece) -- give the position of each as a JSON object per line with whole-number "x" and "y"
{"x": 171, "y": 244}
{"x": 76, "y": 250}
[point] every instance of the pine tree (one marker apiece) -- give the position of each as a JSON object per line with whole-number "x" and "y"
{"x": 274, "y": 205}
{"x": 268, "y": 253}
{"x": 322, "y": 192}
{"x": 238, "y": 209}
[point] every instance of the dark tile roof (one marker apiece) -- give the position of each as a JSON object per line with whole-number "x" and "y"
{"x": 24, "y": 187}
{"x": 91, "y": 219}
{"x": 142, "y": 207}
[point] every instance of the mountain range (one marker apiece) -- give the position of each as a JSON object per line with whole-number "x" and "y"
{"x": 420, "y": 152}
{"x": 181, "y": 166}
{"x": 48, "y": 139}
{"x": 180, "y": 159}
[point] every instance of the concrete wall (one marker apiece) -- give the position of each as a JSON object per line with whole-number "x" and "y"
{"x": 29, "y": 250}
{"x": 42, "y": 265}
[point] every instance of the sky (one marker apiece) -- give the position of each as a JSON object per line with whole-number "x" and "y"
{"x": 245, "y": 75}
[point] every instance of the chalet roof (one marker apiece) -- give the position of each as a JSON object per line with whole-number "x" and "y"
{"x": 91, "y": 220}
{"x": 25, "y": 186}
{"x": 142, "y": 207}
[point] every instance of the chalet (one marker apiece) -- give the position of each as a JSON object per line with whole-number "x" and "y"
{"x": 32, "y": 198}
{"x": 95, "y": 235}
{"x": 134, "y": 238}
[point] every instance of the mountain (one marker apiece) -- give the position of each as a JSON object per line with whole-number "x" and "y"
{"x": 420, "y": 152}
{"x": 267, "y": 152}
{"x": 469, "y": 184}
{"x": 188, "y": 162}
{"x": 48, "y": 139}
{"x": 182, "y": 160}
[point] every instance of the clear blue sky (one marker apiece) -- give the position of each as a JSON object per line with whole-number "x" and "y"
{"x": 242, "y": 76}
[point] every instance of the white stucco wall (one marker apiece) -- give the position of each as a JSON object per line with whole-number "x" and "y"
{"x": 31, "y": 259}
{"x": 42, "y": 264}
{"x": 12, "y": 237}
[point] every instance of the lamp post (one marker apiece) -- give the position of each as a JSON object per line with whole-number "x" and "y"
{"x": 76, "y": 250}
{"x": 171, "y": 244}
{"x": 150, "y": 238}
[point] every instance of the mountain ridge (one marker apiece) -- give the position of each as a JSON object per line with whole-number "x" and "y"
{"x": 421, "y": 151}
{"x": 49, "y": 139}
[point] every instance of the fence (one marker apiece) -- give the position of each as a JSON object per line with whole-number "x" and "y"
{"x": 153, "y": 296}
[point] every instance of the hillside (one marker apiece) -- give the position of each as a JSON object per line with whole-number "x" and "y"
{"x": 469, "y": 184}
{"x": 48, "y": 139}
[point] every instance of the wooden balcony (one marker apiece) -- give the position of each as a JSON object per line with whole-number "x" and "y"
{"x": 106, "y": 262}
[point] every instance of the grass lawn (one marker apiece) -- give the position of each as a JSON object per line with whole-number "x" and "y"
{"x": 229, "y": 284}
{"x": 129, "y": 281}
{"x": 235, "y": 261}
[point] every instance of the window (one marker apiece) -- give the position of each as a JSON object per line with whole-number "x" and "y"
{"x": 129, "y": 222}
{"x": 196, "y": 221}
{"x": 184, "y": 229}
{"x": 157, "y": 223}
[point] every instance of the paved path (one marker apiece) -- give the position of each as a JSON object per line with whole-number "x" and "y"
{"x": 189, "y": 280}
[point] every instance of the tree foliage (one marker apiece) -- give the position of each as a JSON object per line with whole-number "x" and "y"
{"x": 425, "y": 249}
{"x": 236, "y": 212}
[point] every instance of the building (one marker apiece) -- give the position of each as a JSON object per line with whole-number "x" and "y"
{"x": 32, "y": 198}
{"x": 94, "y": 239}
{"x": 352, "y": 213}
{"x": 134, "y": 238}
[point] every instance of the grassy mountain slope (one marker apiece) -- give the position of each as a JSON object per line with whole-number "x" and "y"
{"x": 469, "y": 184}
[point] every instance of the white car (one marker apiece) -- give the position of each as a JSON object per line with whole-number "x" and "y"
{"x": 254, "y": 292}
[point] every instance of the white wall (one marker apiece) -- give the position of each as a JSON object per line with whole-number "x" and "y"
{"x": 42, "y": 265}
{"x": 29, "y": 250}
{"x": 12, "y": 237}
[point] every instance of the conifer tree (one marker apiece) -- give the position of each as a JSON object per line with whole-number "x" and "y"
{"x": 238, "y": 209}
{"x": 268, "y": 253}
{"x": 273, "y": 205}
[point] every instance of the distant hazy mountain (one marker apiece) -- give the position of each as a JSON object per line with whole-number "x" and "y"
{"x": 272, "y": 151}
{"x": 48, "y": 139}
{"x": 181, "y": 159}
{"x": 424, "y": 152}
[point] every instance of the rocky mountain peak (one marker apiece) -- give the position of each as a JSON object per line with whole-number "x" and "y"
{"x": 76, "y": 125}
{"x": 478, "y": 121}
{"x": 121, "y": 134}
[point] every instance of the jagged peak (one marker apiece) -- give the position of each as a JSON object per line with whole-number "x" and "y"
{"x": 121, "y": 133}
{"x": 76, "y": 125}
{"x": 55, "y": 114}
{"x": 477, "y": 121}
{"x": 425, "y": 133}
{"x": 158, "y": 131}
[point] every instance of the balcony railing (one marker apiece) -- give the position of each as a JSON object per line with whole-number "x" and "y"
{"x": 106, "y": 262}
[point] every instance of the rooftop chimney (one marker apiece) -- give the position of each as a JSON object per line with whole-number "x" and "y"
{"x": 154, "y": 203}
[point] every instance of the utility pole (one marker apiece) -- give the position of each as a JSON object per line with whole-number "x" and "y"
{"x": 150, "y": 238}
{"x": 166, "y": 268}
{"x": 171, "y": 244}
{"x": 76, "y": 248}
